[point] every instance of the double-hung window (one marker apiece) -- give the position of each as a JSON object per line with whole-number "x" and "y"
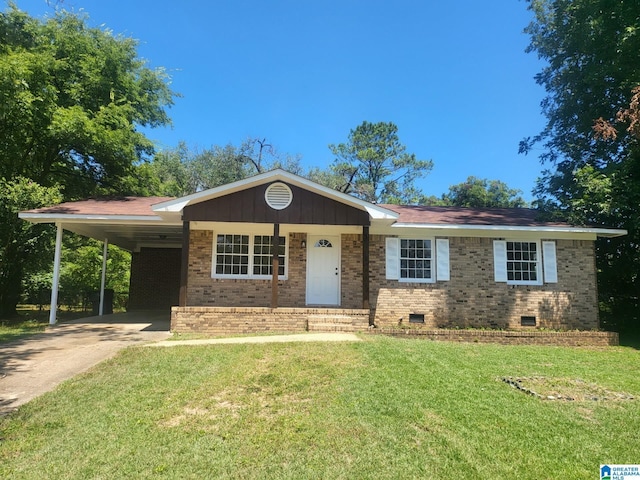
{"x": 417, "y": 259}
{"x": 520, "y": 262}
{"x": 247, "y": 256}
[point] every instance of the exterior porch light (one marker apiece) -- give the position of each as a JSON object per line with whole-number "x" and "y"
{"x": 303, "y": 244}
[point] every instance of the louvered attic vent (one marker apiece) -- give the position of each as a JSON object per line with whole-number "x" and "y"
{"x": 278, "y": 196}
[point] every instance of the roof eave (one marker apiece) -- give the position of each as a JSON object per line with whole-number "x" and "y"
{"x": 93, "y": 218}
{"x": 600, "y": 232}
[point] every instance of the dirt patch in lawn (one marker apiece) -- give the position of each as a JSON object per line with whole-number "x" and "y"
{"x": 566, "y": 389}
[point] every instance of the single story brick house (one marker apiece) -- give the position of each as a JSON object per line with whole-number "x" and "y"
{"x": 341, "y": 263}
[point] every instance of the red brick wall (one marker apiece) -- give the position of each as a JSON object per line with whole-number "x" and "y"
{"x": 473, "y": 299}
{"x": 155, "y": 278}
{"x": 470, "y": 299}
{"x": 239, "y": 320}
{"x": 564, "y": 339}
{"x": 206, "y": 291}
{"x": 351, "y": 280}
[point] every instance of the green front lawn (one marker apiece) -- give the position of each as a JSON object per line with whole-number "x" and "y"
{"x": 31, "y": 320}
{"x": 382, "y": 408}
{"x": 14, "y": 329}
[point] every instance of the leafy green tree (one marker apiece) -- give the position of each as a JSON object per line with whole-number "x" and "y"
{"x": 168, "y": 173}
{"x": 218, "y": 166}
{"x": 182, "y": 171}
{"x": 483, "y": 193}
{"x": 24, "y": 246}
{"x": 375, "y": 166}
{"x": 592, "y": 49}
{"x": 72, "y": 99}
{"x": 80, "y": 274}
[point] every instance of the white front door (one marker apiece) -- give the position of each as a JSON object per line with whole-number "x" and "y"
{"x": 323, "y": 270}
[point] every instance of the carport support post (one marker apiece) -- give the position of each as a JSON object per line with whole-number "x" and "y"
{"x": 104, "y": 276}
{"x": 56, "y": 276}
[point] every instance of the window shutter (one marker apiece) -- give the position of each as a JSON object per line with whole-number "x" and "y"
{"x": 393, "y": 258}
{"x": 442, "y": 259}
{"x": 500, "y": 260}
{"x": 549, "y": 262}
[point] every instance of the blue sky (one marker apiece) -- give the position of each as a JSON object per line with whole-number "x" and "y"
{"x": 453, "y": 76}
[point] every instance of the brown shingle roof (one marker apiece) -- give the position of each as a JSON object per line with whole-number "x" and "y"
{"x": 141, "y": 206}
{"x": 512, "y": 217}
{"x": 105, "y": 206}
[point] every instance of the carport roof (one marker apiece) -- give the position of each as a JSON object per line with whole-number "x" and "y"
{"x": 106, "y": 206}
{"x": 128, "y": 222}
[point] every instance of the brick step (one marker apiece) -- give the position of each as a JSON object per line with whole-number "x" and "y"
{"x": 331, "y": 327}
{"x": 337, "y": 319}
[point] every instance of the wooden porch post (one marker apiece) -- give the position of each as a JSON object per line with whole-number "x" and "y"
{"x": 365, "y": 267}
{"x": 184, "y": 265}
{"x": 275, "y": 265}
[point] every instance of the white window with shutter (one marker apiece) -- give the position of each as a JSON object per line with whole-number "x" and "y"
{"x": 518, "y": 262}
{"x": 417, "y": 260}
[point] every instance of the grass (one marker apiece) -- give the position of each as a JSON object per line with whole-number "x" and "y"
{"x": 14, "y": 329}
{"x": 31, "y": 320}
{"x": 382, "y": 408}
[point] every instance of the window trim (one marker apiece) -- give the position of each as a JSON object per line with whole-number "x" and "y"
{"x": 250, "y": 275}
{"x": 433, "y": 261}
{"x": 440, "y": 258}
{"x": 539, "y": 262}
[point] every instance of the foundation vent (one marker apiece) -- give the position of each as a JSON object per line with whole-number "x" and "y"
{"x": 527, "y": 321}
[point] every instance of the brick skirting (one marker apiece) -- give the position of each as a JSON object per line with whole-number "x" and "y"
{"x": 240, "y": 320}
{"x": 506, "y": 337}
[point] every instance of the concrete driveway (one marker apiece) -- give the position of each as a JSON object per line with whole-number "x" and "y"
{"x": 37, "y": 363}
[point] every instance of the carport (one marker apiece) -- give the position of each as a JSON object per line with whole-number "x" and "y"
{"x": 127, "y": 222}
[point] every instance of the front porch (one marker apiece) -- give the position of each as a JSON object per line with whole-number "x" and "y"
{"x": 246, "y": 320}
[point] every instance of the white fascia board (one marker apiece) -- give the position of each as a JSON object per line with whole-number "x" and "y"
{"x": 171, "y": 206}
{"x": 71, "y": 217}
{"x": 600, "y": 232}
{"x": 94, "y": 219}
{"x": 379, "y": 213}
{"x": 178, "y": 204}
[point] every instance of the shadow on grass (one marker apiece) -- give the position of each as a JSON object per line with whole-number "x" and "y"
{"x": 630, "y": 339}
